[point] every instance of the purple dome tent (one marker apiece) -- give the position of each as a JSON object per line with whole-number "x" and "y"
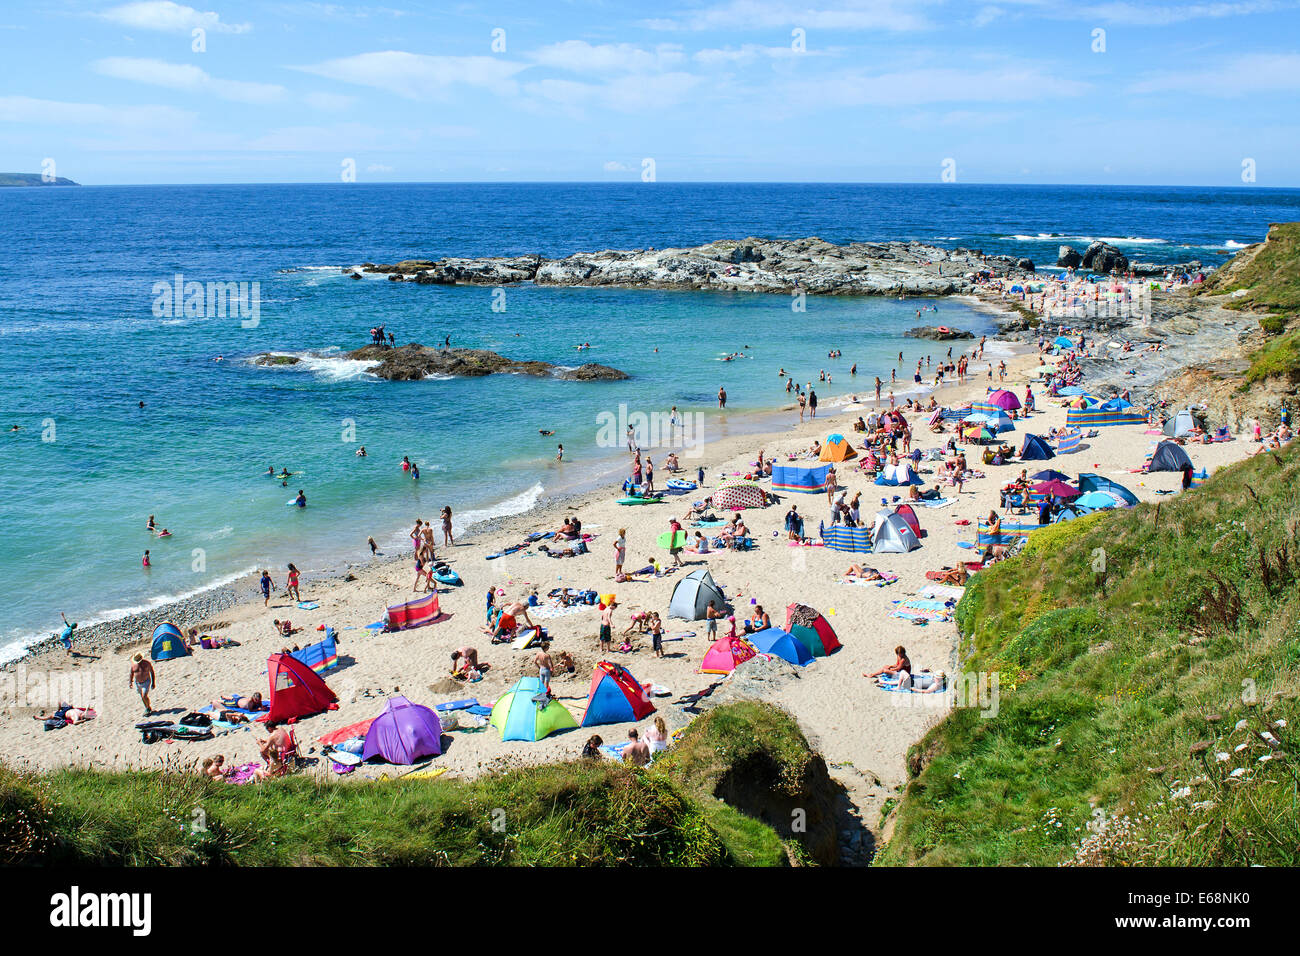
{"x": 404, "y": 733}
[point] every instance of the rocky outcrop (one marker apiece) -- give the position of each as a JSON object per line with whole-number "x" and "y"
{"x": 1103, "y": 258}
{"x": 408, "y": 363}
{"x": 809, "y": 265}
{"x": 1068, "y": 257}
{"x": 271, "y": 359}
{"x": 938, "y": 334}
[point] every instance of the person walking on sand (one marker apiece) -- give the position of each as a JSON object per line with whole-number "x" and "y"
{"x": 266, "y": 584}
{"x": 812, "y": 404}
{"x": 620, "y": 551}
{"x": 292, "y": 583}
{"x": 142, "y": 678}
{"x": 803, "y": 402}
{"x": 374, "y": 548}
{"x": 446, "y": 526}
{"x": 712, "y": 614}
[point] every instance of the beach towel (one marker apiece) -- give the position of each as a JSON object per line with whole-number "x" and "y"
{"x": 547, "y": 611}
{"x": 307, "y": 605}
{"x": 886, "y": 579}
{"x": 347, "y": 733}
{"x": 942, "y": 591}
{"x": 465, "y": 704}
{"x": 933, "y": 502}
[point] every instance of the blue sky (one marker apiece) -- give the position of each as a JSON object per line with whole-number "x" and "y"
{"x": 1012, "y": 91}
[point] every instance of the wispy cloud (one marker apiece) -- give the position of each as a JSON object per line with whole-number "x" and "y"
{"x": 997, "y": 84}
{"x": 625, "y": 94}
{"x": 579, "y": 56}
{"x": 1236, "y": 76}
{"x": 168, "y": 17}
{"x": 420, "y": 76}
{"x": 754, "y": 15}
{"x": 187, "y": 78}
{"x": 38, "y": 112}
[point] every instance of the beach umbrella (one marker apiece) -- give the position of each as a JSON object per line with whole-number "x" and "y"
{"x": 1050, "y": 474}
{"x": 1063, "y": 342}
{"x": 1004, "y": 400}
{"x": 1096, "y": 500}
{"x": 1056, "y": 488}
{"x": 781, "y": 644}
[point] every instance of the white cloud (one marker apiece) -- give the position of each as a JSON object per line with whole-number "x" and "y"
{"x": 379, "y": 168}
{"x": 168, "y": 17}
{"x": 187, "y": 78}
{"x": 754, "y": 15}
{"x": 1249, "y": 73}
{"x": 419, "y": 76}
{"x": 579, "y": 56}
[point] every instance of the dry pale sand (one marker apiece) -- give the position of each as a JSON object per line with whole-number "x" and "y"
{"x": 862, "y": 731}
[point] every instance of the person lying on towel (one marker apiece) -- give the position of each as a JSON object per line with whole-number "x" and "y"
{"x": 863, "y": 573}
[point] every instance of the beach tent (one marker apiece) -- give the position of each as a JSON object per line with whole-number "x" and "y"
{"x": 1181, "y": 424}
{"x": 526, "y": 712}
{"x": 1090, "y": 482}
{"x": 837, "y": 448}
{"x": 1062, "y": 342}
{"x": 781, "y": 644}
{"x": 615, "y": 697}
{"x": 811, "y": 629}
{"x": 893, "y": 535}
{"x": 908, "y": 514}
{"x": 994, "y": 421}
{"x": 1035, "y": 449}
{"x": 726, "y": 655}
{"x": 692, "y": 595}
{"x": 168, "y": 642}
{"x": 1169, "y": 456}
{"x": 900, "y": 474}
{"x": 1007, "y": 401}
{"x": 841, "y": 537}
{"x": 321, "y": 656}
{"x": 413, "y": 613}
{"x": 801, "y": 479}
{"x": 1050, "y": 474}
{"x": 404, "y": 733}
{"x": 985, "y": 407}
{"x": 733, "y": 495}
{"x": 296, "y": 690}
{"x": 1100, "y": 417}
{"x": 1116, "y": 404}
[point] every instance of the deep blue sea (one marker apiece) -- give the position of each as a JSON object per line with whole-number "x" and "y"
{"x": 81, "y": 347}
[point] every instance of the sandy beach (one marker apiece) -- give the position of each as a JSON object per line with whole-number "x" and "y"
{"x": 862, "y": 731}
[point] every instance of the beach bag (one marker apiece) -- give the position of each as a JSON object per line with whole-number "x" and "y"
{"x": 151, "y": 735}
{"x": 194, "y": 719}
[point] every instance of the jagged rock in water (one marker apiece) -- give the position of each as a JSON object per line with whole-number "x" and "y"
{"x": 1068, "y": 257}
{"x": 412, "y": 362}
{"x": 936, "y": 333}
{"x": 1026, "y": 264}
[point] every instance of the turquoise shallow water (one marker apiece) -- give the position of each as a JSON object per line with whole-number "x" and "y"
{"x": 80, "y": 347}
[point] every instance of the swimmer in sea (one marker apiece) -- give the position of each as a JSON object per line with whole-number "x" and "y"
{"x": 361, "y": 452}
{"x": 559, "y": 455}
{"x": 16, "y": 428}
{"x": 270, "y": 471}
{"x": 545, "y": 431}
{"x": 301, "y": 500}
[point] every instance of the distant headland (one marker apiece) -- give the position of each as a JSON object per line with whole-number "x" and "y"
{"x": 33, "y": 179}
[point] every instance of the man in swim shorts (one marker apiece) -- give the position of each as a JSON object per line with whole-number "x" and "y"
{"x": 607, "y": 626}
{"x": 543, "y": 662}
{"x": 142, "y": 678}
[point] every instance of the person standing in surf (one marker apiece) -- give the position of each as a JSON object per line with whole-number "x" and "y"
{"x": 722, "y": 397}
